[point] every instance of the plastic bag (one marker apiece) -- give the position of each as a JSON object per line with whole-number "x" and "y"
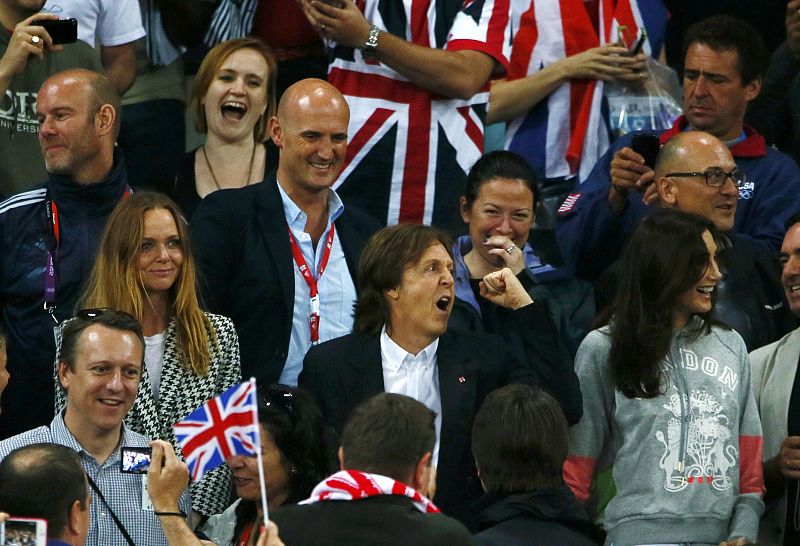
{"x": 653, "y": 104}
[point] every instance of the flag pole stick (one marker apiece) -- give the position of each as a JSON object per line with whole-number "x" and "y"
{"x": 259, "y": 457}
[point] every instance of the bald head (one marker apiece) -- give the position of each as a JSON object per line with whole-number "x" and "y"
{"x": 303, "y": 97}
{"x": 676, "y": 153}
{"x": 680, "y": 186}
{"x": 97, "y": 88}
{"x": 310, "y": 129}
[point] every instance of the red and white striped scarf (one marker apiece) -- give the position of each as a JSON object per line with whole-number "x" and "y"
{"x": 353, "y": 485}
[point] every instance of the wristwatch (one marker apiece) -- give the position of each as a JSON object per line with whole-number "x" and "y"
{"x": 370, "y": 48}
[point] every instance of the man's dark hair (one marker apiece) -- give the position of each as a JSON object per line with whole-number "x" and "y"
{"x": 727, "y": 33}
{"x": 794, "y": 219}
{"x": 43, "y": 481}
{"x": 388, "y": 435}
{"x": 111, "y": 318}
{"x": 519, "y": 440}
{"x": 500, "y": 164}
{"x": 387, "y": 254}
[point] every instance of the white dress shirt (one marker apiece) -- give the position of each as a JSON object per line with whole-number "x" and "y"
{"x": 415, "y": 376}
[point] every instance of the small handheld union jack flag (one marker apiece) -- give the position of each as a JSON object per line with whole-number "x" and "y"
{"x": 222, "y": 427}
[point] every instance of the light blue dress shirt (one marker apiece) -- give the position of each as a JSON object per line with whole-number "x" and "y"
{"x": 337, "y": 292}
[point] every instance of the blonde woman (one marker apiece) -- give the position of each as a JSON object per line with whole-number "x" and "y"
{"x": 145, "y": 267}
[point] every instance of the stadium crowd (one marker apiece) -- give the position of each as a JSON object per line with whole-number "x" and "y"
{"x": 478, "y": 308}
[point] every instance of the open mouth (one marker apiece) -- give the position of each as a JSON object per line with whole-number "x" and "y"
{"x": 706, "y": 290}
{"x": 794, "y": 288}
{"x": 443, "y": 303}
{"x": 233, "y": 110}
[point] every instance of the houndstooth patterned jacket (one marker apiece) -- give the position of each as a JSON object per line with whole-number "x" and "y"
{"x": 180, "y": 393}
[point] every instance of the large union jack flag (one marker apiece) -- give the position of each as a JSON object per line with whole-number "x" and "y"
{"x": 409, "y": 148}
{"x": 222, "y": 427}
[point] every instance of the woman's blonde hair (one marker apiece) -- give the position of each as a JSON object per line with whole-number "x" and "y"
{"x": 117, "y": 283}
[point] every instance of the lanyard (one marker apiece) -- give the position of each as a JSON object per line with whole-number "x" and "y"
{"x": 313, "y": 318}
{"x": 52, "y": 254}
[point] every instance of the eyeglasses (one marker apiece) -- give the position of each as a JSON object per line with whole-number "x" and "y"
{"x": 715, "y": 178}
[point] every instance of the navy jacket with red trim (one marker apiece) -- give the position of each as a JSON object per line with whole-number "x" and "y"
{"x": 591, "y": 236}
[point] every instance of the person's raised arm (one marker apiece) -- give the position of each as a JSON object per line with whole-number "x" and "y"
{"x": 454, "y": 74}
{"x": 119, "y": 64}
{"x": 28, "y": 40}
{"x": 513, "y": 98}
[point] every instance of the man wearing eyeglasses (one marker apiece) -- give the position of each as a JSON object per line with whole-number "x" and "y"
{"x": 695, "y": 172}
{"x": 724, "y": 62}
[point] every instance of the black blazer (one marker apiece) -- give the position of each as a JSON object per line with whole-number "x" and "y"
{"x": 343, "y": 372}
{"x": 246, "y": 271}
{"x": 385, "y": 520}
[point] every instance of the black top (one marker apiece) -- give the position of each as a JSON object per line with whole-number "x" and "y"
{"x": 384, "y": 520}
{"x": 184, "y": 190}
{"x": 548, "y": 517}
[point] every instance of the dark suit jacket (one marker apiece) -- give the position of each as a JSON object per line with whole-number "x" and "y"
{"x": 385, "y": 520}
{"x": 246, "y": 270}
{"x": 343, "y": 372}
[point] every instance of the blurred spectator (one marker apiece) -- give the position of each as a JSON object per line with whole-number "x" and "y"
{"x": 296, "y": 457}
{"x": 417, "y": 83}
{"x": 725, "y": 60}
{"x": 499, "y": 205}
{"x": 233, "y": 98}
{"x": 153, "y": 135}
{"x": 776, "y": 111}
{"x": 49, "y": 236}
{"x": 279, "y": 258}
{"x": 295, "y": 43}
{"x": 552, "y": 98}
{"x": 46, "y": 481}
{"x": 776, "y": 386}
{"x": 401, "y": 343}
{"x": 381, "y": 495}
{"x": 28, "y": 59}
{"x": 114, "y": 26}
{"x": 519, "y": 441}
{"x": 764, "y": 15}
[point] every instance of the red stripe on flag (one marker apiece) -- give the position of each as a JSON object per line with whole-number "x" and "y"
{"x": 578, "y": 474}
{"x": 523, "y": 45}
{"x": 473, "y": 131}
{"x": 751, "y": 478}
{"x": 495, "y": 33}
{"x": 367, "y": 131}
{"x": 217, "y": 429}
{"x": 419, "y": 22}
{"x": 581, "y": 109}
{"x": 415, "y": 169}
{"x": 624, "y": 16}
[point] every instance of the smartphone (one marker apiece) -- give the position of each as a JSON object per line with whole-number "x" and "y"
{"x": 637, "y": 47}
{"x": 135, "y": 460}
{"x": 27, "y": 531}
{"x": 647, "y": 146}
{"x": 62, "y": 31}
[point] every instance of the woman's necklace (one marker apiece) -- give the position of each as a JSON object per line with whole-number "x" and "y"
{"x": 214, "y": 176}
